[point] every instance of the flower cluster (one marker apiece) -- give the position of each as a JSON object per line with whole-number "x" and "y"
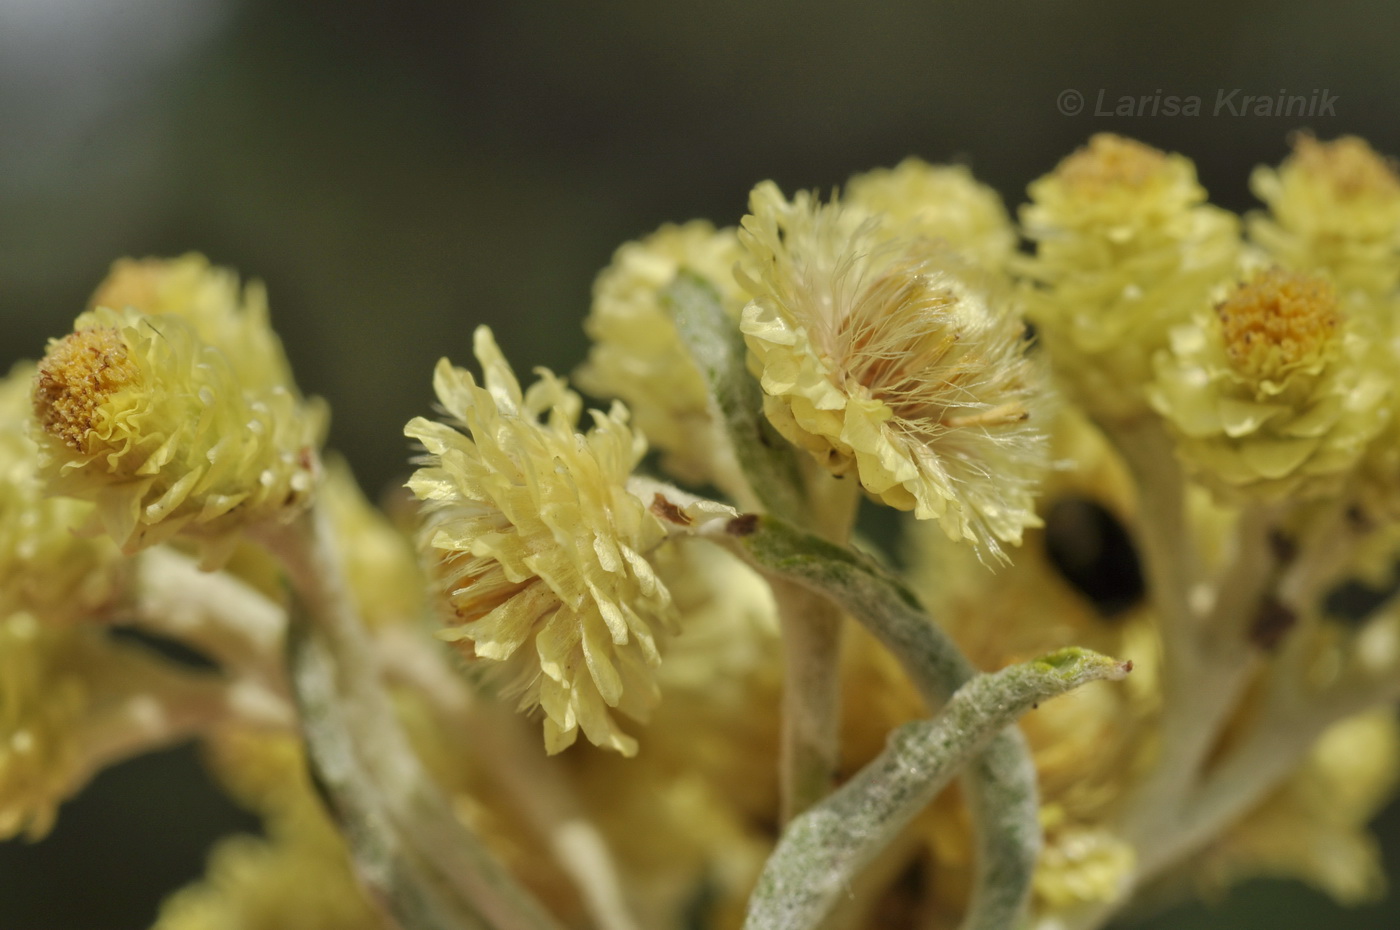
{"x": 1162, "y": 432}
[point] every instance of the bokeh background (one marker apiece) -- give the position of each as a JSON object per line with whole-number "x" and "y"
{"x": 399, "y": 172}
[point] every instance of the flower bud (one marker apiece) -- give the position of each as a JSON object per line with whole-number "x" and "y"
{"x": 1126, "y": 248}
{"x": 1270, "y": 395}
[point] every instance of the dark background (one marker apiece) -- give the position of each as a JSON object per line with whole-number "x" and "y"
{"x": 400, "y": 172}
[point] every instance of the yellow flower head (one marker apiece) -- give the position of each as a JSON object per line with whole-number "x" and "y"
{"x": 539, "y": 548}
{"x": 940, "y": 202}
{"x": 885, "y": 356}
{"x": 637, "y": 355}
{"x": 140, "y": 415}
{"x": 1333, "y": 207}
{"x": 1269, "y": 395}
{"x": 1126, "y": 247}
{"x": 45, "y": 568}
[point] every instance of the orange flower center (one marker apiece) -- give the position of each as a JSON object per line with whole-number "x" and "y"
{"x": 1277, "y": 322}
{"x": 79, "y": 374}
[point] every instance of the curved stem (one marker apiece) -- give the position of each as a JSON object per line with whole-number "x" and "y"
{"x": 1206, "y": 653}
{"x": 1170, "y": 561}
{"x": 1001, "y": 782}
{"x": 1208, "y": 664}
{"x": 712, "y": 338}
{"x": 820, "y": 855}
{"x": 157, "y": 704}
{"x": 776, "y": 479}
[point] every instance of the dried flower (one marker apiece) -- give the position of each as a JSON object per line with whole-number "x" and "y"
{"x": 540, "y": 550}
{"x": 886, "y": 356}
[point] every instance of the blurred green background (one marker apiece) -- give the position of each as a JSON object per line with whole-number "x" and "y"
{"x": 400, "y": 172}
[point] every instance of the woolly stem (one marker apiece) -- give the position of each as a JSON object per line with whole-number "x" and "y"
{"x": 213, "y": 612}
{"x": 717, "y": 348}
{"x": 417, "y": 858}
{"x": 1001, "y": 780}
{"x": 775, "y": 480}
{"x": 810, "y": 747}
{"x": 167, "y": 705}
{"x": 823, "y": 850}
{"x": 519, "y": 768}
